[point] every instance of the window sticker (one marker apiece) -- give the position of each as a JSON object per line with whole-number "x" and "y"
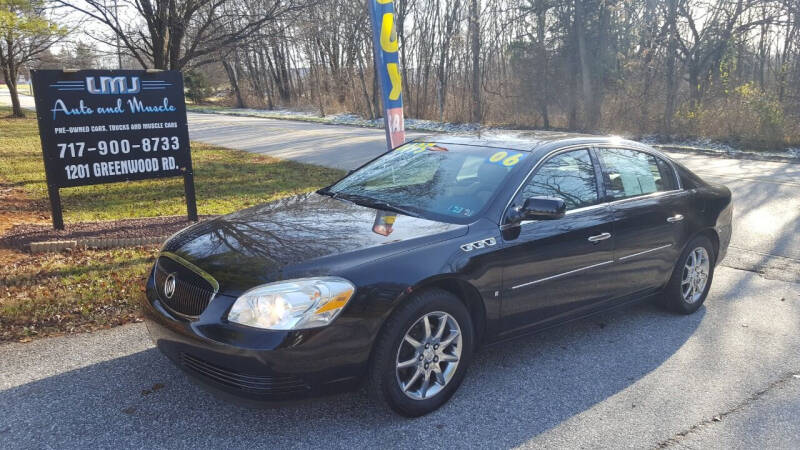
{"x": 455, "y": 209}
{"x": 415, "y": 147}
{"x": 419, "y": 147}
{"x": 507, "y": 159}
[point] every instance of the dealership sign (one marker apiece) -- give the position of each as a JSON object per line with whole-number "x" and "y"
{"x": 107, "y": 126}
{"x": 387, "y": 65}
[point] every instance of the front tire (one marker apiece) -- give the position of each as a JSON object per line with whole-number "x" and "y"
{"x": 691, "y": 279}
{"x": 422, "y": 354}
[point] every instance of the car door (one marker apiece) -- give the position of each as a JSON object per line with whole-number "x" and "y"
{"x": 649, "y": 208}
{"x": 553, "y": 268}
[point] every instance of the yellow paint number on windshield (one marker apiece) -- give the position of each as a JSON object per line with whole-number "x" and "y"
{"x": 511, "y": 160}
{"x": 506, "y": 160}
{"x": 498, "y": 156}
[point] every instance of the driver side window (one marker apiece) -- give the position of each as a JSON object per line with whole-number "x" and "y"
{"x": 569, "y": 176}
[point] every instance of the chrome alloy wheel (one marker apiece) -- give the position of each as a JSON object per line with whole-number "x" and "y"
{"x": 428, "y": 355}
{"x": 695, "y": 275}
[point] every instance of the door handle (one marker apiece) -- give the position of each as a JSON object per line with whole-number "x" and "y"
{"x": 599, "y": 237}
{"x": 675, "y": 218}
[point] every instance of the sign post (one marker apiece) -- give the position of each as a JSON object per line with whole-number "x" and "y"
{"x": 387, "y": 66}
{"x": 107, "y": 126}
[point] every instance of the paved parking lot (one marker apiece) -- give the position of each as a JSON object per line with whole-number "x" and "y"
{"x": 725, "y": 377}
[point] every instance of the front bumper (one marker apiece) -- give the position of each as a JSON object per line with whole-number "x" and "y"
{"x": 259, "y": 365}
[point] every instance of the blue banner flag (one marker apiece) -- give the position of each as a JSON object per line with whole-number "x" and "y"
{"x": 387, "y": 65}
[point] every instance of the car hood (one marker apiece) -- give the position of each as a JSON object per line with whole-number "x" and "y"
{"x": 309, "y": 234}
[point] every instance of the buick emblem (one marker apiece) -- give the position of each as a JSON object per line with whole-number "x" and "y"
{"x": 169, "y": 285}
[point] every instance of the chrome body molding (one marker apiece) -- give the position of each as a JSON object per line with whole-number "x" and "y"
{"x": 561, "y": 275}
{"x": 645, "y": 252}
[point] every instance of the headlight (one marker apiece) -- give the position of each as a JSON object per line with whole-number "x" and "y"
{"x": 292, "y": 305}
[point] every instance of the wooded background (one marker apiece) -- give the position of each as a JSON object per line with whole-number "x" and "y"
{"x": 722, "y": 69}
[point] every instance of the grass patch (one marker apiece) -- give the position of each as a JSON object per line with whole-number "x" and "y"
{"x": 69, "y": 292}
{"x": 225, "y": 180}
{"x": 84, "y": 290}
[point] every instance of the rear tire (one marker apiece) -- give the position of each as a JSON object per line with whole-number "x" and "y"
{"x": 691, "y": 278}
{"x": 416, "y": 367}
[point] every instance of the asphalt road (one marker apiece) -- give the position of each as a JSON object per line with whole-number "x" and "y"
{"x": 725, "y": 377}
{"x": 636, "y": 377}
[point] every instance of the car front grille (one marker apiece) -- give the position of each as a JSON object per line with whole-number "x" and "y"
{"x": 258, "y": 384}
{"x": 192, "y": 291}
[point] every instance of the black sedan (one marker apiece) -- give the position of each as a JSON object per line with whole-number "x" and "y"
{"x": 394, "y": 275}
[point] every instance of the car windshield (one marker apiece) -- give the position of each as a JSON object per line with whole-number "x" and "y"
{"x": 447, "y": 182}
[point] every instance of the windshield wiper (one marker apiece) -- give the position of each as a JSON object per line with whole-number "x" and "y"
{"x": 373, "y": 203}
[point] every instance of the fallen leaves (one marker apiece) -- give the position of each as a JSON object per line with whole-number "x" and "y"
{"x": 68, "y": 292}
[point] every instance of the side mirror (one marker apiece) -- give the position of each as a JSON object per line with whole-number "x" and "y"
{"x": 539, "y": 208}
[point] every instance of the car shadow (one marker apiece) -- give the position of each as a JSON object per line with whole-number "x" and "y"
{"x": 513, "y": 392}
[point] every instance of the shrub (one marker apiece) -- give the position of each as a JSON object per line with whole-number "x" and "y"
{"x": 747, "y": 116}
{"x": 197, "y": 86}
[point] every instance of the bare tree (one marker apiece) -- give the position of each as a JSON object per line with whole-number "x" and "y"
{"x": 728, "y": 69}
{"x": 25, "y": 33}
{"x": 170, "y": 34}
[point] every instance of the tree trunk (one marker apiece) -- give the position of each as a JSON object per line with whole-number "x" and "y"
{"x": 586, "y": 75}
{"x": 671, "y": 84}
{"x": 363, "y": 83}
{"x": 572, "y": 92}
{"x": 544, "y": 96}
{"x": 10, "y": 77}
{"x": 401, "y": 39}
{"x": 475, "y": 45}
{"x": 233, "y": 77}
{"x": 376, "y": 96}
{"x": 694, "y": 86}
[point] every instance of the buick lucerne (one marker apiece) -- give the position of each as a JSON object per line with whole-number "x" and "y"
{"x": 393, "y": 276}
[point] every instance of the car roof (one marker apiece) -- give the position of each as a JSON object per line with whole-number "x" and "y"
{"x": 530, "y": 141}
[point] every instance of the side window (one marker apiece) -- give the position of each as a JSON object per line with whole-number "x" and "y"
{"x": 670, "y": 181}
{"x": 630, "y": 173}
{"x": 569, "y": 176}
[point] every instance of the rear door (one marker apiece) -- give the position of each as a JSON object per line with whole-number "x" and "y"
{"x": 553, "y": 268}
{"x": 649, "y": 208}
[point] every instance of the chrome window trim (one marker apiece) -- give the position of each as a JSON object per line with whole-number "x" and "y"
{"x": 649, "y": 151}
{"x": 589, "y": 147}
{"x": 544, "y": 159}
{"x": 606, "y": 204}
{"x": 571, "y": 211}
{"x": 646, "y": 196}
